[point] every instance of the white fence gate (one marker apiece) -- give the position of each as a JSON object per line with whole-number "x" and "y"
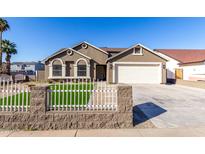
{"x": 14, "y": 96}
{"x": 81, "y": 95}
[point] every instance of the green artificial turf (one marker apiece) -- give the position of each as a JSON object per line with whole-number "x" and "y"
{"x": 18, "y": 99}
{"x": 74, "y": 97}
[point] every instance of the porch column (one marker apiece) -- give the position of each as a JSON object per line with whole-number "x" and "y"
{"x": 113, "y": 73}
{"x": 108, "y": 73}
{"x": 50, "y": 71}
{"x": 94, "y": 75}
{"x": 63, "y": 70}
{"x": 75, "y": 70}
{"x": 88, "y": 71}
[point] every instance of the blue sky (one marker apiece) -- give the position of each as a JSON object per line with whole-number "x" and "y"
{"x": 37, "y": 38}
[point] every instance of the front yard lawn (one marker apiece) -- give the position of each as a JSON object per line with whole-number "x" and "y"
{"x": 70, "y": 94}
{"x": 18, "y": 99}
{"x": 67, "y": 94}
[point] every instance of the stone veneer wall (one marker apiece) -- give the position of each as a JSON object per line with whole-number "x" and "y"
{"x": 40, "y": 119}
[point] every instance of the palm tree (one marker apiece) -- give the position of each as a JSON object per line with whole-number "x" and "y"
{"x": 8, "y": 48}
{"x": 4, "y": 26}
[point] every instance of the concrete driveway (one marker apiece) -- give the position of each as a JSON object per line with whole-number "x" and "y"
{"x": 169, "y": 106}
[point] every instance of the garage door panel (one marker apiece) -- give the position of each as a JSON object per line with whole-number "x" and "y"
{"x": 138, "y": 74}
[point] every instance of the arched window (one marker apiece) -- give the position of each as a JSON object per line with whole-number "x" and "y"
{"x": 57, "y": 67}
{"x": 82, "y": 67}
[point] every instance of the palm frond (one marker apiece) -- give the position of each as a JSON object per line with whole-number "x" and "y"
{"x": 4, "y": 26}
{"x": 9, "y": 47}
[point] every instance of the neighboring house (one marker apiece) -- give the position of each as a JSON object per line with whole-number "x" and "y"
{"x": 136, "y": 64}
{"x": 186, "y": 64}
{"x": 29, "y": 68}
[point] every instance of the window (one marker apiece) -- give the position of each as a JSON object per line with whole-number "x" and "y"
{"x": 57, "y": 70}
{"x": 85, "y": 46}
{"x": 81, "y": 70}
{"x": 137, "y": 51}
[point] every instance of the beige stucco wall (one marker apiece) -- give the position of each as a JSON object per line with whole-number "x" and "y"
{"x": 97, "y": 56}
{"x": 164, "y": 75}
{"x": 129, "y": 57}
{"x": 109, "y": 73}
{"x": 69, "y": 60}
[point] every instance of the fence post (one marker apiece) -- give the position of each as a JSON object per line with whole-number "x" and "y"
{"x": 125, "y": 105}
{"x": 38, "y": 102}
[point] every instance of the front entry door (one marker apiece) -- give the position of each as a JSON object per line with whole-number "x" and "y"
{"x": 101, "y": 72}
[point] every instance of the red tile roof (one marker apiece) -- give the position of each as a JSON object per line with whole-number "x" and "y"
{"x": 185, "y": 55}
{"x": 113, "y": 49}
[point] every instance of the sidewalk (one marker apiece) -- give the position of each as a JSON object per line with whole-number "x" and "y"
{"x": 164, "y": 132}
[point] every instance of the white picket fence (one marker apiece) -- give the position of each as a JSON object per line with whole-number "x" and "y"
{"x": 72, "y": 95}
{"x": 14, "y": 96}
{"x": 81, "y": 95}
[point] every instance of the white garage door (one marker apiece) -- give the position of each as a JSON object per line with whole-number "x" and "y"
{"x": 138, "y": 73}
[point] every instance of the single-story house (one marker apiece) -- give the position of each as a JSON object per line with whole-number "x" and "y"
{"x": 136, "y": 64}
{"x": 185, "y": 64}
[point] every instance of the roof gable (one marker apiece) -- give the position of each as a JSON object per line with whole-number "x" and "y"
{"x": 91, "y": 46}
{"x": 137, "y": 45}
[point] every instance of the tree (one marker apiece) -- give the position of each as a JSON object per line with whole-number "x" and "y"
{"x": 4, "y": 26}
{"x": 9, "y": 48}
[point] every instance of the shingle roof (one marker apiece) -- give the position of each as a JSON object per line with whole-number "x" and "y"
{"x": 184, "y": 55}
{"x": 112, "y": 49}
